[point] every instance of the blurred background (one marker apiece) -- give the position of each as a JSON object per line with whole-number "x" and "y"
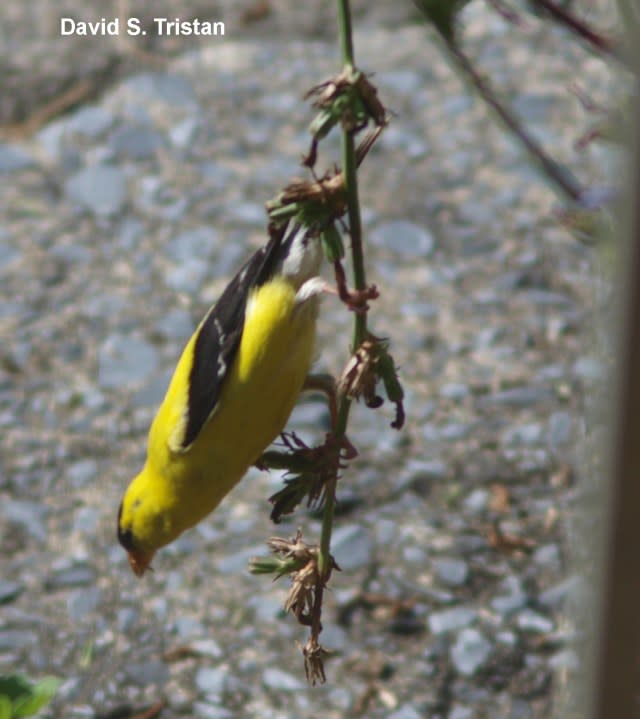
{"x": 134, "y": 176}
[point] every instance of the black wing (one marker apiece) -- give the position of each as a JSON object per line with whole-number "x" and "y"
{"x": 219, "y": 338}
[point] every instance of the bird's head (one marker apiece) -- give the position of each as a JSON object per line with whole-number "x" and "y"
{"x": 139, "y": 558}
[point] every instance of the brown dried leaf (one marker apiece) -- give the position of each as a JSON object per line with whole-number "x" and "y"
{"x": 508, "y": 543}
{"x": 562, "y": 478}
{"x": 500, "y": 501}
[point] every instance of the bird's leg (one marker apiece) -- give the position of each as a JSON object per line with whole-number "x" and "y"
{"x": 326, "y": 384}
{"x": 356, "y": 300}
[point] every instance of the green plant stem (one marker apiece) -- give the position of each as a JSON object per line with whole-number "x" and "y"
{"x": 324, "y": 562}
{"x": 344, "y": 26}
{"x": 349, "y": 168}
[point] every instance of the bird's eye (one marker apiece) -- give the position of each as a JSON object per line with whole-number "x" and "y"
{"x": 125, "y": 536}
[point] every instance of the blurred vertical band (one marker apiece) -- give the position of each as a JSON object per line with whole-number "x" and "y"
{"x": 615, "y": 689}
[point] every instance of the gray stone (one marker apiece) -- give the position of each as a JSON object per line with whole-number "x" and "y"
{"x": 419, "y": 475}
{"x": 146, "y": 673}
{"x": 559, "y": 429}
{"x": 230, "y": 256}
{"x": 458, "y": 711}
{"x": 398, "y": 140}
{"x": 555, "y": 596}
{"x": 176, "y": 325}
{"x": 82, "y": 711}
{"x": 216, "y": 175}
{"x": 12, "y": 640}
{"x": 405, "y": 238}
{"x": 454, "y": 431}
{"x": 265, "y": 608}
{"x": 90, "y": 120}
{"x": 237, "y": 563}
{"x": 548, "y": 555}
{"x": 352, "y": 547}
{"x": 127, "y": 618}
{"x": 507, "y": 637}
{"x": 211, "y": 681}
{"x": 476, "y": 502}
{"x": 163, "y": 87}
{"x": 247, "y": 213}
{"x": 488, "y": 336}
{"x": 451, "y": 572}
{"x": 100, "y": 189}
{"x": 166, "y": 203}
{"x": 449, "y": 620}
{"x": 203, "y": 710}
{"x": 455, "y": 105}
{"x": 30, "y": 515}
{"x": 520, "y": 709}
{"x": 530, "y": 621}
{"x": 154, "y": 390}
{"x": 182, "y": 135}
{"x": 82, "y": 472}
{"x": 86, "y": 520}
{"x": 517, "y": 397}
{"x": 196, "y": 243}
{"x": 8, "y": 254}
{"x": 52, "y": 137}
{"x": 124, "y": 361}
{"x": 422, "y": 310}
{"x": 81, "y": 575}
{"x": 406, "y": 711}
{"x": 188, "y": 627}
{"x": 274, "y": 678}
{"x": 13, "y": 159}
{"x": 427, "y": 469}
{"x": 414, "y": 555}
{"x": 402, "y": 81}
{"x": 545, "y": 298}
{"x": 454, "y": 390}
{"x": 207, "y": 648}
{"x": 83, "y": 602}
{"x": 588, "y": 368}
{"x": 334, "y": 637}
{"x": 470, "y": 651}
{"x": 508, "y": 603}
{"x": 310, "y": 415}
{"x": 527, "y": 434}
{"x": 129, "y": 233}
{"x": 566, "y": 659}
{"x": 9, "y": 591}
{"x": 137, "y": 143}
{"x": 188, "y": 276}
{"x": 534, "y": 107}
{"x": 514, "y": 598}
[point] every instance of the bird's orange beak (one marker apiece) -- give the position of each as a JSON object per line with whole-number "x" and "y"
{"x": 140, "y": 562}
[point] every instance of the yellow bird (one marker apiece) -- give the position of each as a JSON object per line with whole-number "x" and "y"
{"x": 231, "y": 394}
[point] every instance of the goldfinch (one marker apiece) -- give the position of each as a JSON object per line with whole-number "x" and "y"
{"x": 231, "y": 394}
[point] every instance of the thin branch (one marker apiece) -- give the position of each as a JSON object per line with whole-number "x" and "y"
{"x": 579, "y": 27}
{"x": 561, "y": 176}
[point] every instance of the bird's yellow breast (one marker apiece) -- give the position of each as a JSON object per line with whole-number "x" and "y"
{"x": 260, "y": 390}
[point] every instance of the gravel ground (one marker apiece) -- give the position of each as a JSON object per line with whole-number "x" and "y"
{"x": 122, "y": 221}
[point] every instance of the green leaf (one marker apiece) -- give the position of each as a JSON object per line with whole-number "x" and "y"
{"x": 41, "y": 694}
{"x": 5, "y": 707}
{"x": 14, "y": 686}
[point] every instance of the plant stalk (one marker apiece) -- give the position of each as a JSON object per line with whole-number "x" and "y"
{"x": 349, "y": 168}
